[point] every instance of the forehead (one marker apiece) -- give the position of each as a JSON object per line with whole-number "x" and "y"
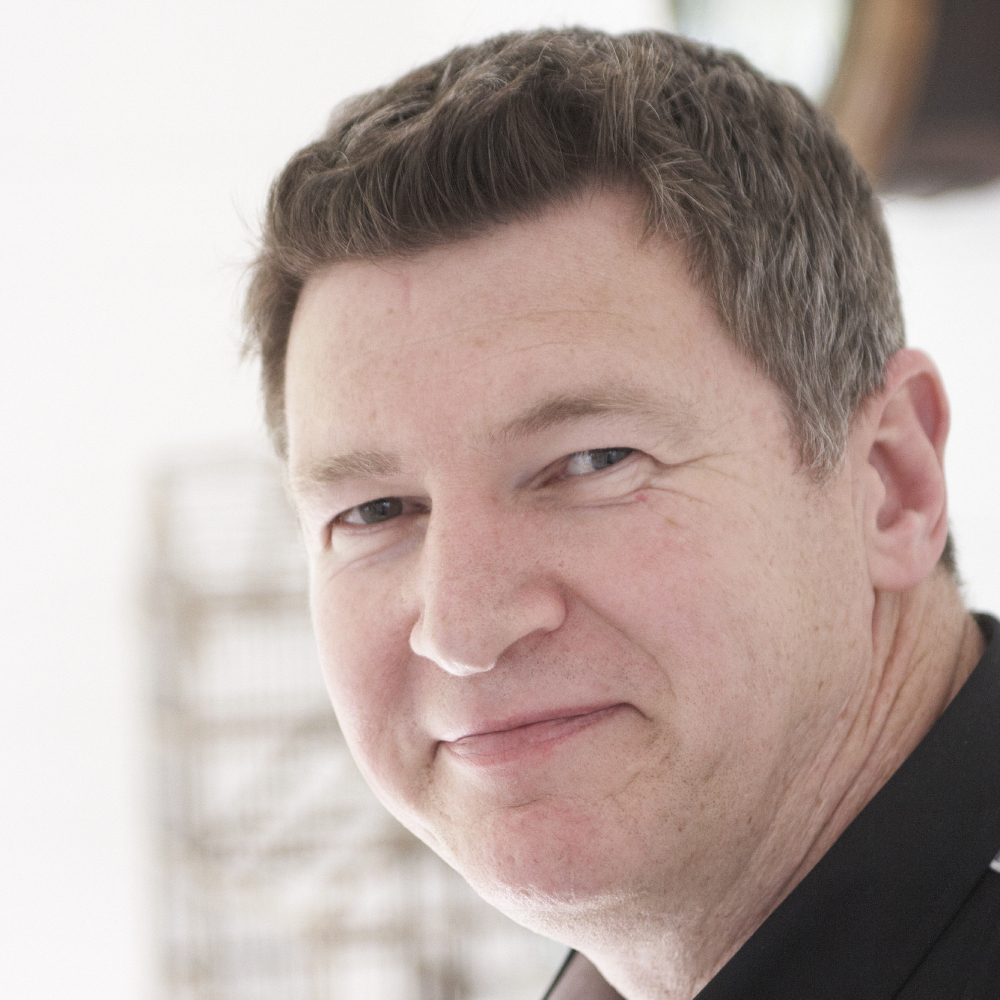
{"x": 472, "y": 333}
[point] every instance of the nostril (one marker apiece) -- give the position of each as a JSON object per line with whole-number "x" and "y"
{"x": 473, "y": 643}
{"x": 453, "y": 653}
{"x": 459, "y": 669}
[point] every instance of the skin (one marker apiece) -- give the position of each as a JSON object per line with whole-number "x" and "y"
{"x": 606, "y": 646}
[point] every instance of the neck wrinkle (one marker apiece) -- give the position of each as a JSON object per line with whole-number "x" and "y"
{"x": 925, "y": 645}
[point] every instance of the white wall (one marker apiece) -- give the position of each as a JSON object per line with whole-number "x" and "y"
{"x": 137, "y": 142}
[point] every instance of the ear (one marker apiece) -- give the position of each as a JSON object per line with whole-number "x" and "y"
{"x": 904, "y": 429}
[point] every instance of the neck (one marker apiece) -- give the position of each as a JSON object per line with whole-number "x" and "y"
{"x": 924, "y": 646}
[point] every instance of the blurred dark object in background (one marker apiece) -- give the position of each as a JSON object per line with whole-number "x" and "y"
{"x": 917, "y": 94}
{"x": 914, "y": 85}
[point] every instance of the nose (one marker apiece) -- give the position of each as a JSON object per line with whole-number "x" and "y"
{"x": 482, "y": 589}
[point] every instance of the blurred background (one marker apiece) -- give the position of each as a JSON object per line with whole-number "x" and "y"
{"x": 178, "y": 817}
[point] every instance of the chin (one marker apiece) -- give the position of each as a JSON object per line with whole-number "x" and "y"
{"x": 542, "y": 860}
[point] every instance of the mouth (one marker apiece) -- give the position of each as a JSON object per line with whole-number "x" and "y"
{"x": 509, "y": 742}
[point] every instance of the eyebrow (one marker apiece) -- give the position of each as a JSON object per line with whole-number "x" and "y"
{"x": 354, "y": 465}
{"x": 614, "y": 400}
{"x": 669, "y": 415}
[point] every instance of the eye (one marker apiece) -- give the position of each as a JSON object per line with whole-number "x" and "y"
{"x": 581, "y": 463}
{"x": 373, "y": 512}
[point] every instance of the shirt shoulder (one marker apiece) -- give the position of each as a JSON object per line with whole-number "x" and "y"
{"x": 964, "y": 962}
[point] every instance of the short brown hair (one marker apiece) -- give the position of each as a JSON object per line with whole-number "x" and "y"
{"x": 779, "y": 224}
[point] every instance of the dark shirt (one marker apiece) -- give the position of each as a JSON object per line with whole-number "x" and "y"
{"x": 906, "y": 904}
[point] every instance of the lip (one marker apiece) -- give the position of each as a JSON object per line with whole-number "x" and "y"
{"x": 498, "y": 743}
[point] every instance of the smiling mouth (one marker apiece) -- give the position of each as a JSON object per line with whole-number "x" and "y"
{"x": 504, "y": 745}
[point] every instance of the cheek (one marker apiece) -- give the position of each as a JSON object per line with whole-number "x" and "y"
{"x": 676, "y": 585}
{"x": 363, "y": 643}
{"x": 724, "y": 606}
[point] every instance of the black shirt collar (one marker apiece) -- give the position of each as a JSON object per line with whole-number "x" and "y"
{"x": 862, "y": 920}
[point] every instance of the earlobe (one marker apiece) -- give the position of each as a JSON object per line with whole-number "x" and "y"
{"x": 906, "y": 516}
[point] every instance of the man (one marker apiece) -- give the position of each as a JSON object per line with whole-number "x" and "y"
{"x": 626, "y": 516}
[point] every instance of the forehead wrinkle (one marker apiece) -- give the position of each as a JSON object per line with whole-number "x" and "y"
{"x": 497, "y": 325}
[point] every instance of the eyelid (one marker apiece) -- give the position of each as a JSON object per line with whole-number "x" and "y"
{"x": 555, "y": 474}
{"x": 594, "y": 451}
{"x": 411, "y": 505}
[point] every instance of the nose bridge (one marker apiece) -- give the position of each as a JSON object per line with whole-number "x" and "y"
{"x": 482, "y": 588}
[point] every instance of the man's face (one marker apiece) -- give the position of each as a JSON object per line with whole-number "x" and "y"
{"x": 588, "y": 629}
